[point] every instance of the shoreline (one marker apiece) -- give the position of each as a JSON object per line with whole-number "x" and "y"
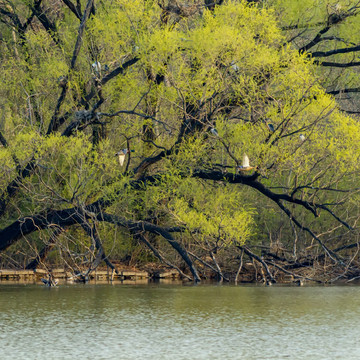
{"x": 140, "y": 277}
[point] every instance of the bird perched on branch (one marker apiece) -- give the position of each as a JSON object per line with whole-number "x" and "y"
{"x": 122, "y": 154}
{"x": 302, "y": 137}
{"x": 270, "y": 127}
{"x": 214, "y": 132}
{"x": 234, "y": 66}
{"x": 96, "y": 67}
{"x": 245, "y": 165}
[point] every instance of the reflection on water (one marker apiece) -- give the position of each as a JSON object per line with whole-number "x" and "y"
{"x": 179, "y": 322}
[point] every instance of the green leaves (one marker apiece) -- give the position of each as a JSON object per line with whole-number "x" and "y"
{"x": 228, "y": 69}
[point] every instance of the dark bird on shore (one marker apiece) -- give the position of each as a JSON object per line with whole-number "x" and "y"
{"x": 299, "y": 282}
{"x": 50, "y": 281}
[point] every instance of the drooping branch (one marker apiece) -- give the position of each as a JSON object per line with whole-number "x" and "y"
{"x": 259, "y": 259}
{"x": 145, "y": 226}
{"x": 143, "y": 239}
{"x": 329, "y": 252}
{"x": 205, "y": 263}
{"x": 326, "y": 208}
{"x": 73, "y": 8}
{"x": 251, "y": 181}
{"x": 45, "y": 250}
{"x": 94, "y": 235}
{"x": 69, "y": 217}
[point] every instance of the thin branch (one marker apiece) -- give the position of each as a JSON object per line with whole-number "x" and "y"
{"x": 205, "y": 263}
{"x": 45, "y": 251}
{"x": 260, "y": 260}
{"x": 240, "y": 266}
{"x": 143, "y": 239}
{"x": 73, "y": 8}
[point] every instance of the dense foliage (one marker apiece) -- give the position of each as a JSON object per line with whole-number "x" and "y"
{"x": 223, "y": 121}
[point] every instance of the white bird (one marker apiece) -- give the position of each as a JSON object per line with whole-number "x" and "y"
{"x": 234, "y": 66}
{"x": 96, "y": 66}
{"x": 214, "y": 132}
{"x": 246, "y": 161}
{"x": 122, "y": 154}
{"x": 302, "y": 137}
{"x": 246, "y": 164}
{"x": 337, "y": 8}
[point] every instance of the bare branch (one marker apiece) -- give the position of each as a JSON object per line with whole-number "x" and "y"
{"x": 73, "y": 8}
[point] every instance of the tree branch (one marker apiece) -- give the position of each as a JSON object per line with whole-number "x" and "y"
{"x": 334, "y": 52}
{"x": 73, "y": 8}
{"x": 143, "y": 239}
{"x": 339, "y": 65}
{"x": 32, "y": 265}
{"x": 54, "y": 120}
{"x": 344, "y": 91}
{"x": 261, "y": 261}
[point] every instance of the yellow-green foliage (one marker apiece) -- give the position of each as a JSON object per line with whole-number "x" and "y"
{"x": 217, "y": 212}
{"x": 313, "y": 15}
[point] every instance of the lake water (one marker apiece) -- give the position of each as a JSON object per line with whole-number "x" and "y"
{"x": 179, "y": 322}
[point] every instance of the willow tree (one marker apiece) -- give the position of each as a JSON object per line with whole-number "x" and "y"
{"x": 327, "y": 32}
{"x": 183, "y": 124}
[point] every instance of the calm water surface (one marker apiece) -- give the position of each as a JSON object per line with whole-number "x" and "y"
{"x": 179, "y": 322}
